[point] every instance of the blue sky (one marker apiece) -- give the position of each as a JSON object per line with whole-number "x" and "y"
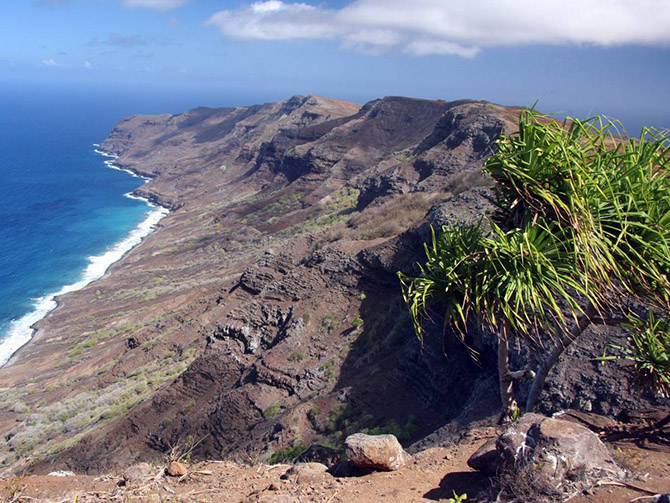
{"x": 571, "y": 56}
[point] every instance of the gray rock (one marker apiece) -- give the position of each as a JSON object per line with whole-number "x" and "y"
{"x": 486, "y": 459}
{"x": 513, "y": 444}
{"x": 308, "y": 473}
{"x": 559, "y": 454}
{"x": 381, "y": 452}
{"x": 566, "y": 450}
{"x": 61, "y": 473}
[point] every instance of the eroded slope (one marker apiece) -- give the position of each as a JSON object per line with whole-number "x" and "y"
{"x": 265, "y": 313}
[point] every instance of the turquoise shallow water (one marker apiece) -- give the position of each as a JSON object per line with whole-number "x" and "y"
{"x": 63, "y": 214}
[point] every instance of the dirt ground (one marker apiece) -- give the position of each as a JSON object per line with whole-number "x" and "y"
{"x": 432, "y": 475}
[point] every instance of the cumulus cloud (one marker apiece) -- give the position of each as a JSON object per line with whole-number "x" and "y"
{"x": 424, "y": 27}
{"x": 159, "y": 5}
{"x": 276, "y": 20}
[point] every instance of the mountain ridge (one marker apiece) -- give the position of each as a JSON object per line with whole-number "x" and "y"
{"x": 264, "y": 314}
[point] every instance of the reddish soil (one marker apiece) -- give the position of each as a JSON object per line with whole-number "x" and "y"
{"x": 432, "y": 475}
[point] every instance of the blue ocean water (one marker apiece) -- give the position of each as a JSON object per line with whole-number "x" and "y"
{"x": 63, "y": 214}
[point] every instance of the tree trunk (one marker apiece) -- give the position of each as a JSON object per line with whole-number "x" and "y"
{"x": 564, "y": 341}
{"x": 509, "y": 405}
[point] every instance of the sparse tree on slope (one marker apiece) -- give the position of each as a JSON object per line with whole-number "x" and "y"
{"x": 581, "y": 227}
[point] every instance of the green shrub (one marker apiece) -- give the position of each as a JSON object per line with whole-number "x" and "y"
{"x": 314, "y": 412}
{"x": 288, "y": 454}
{"x": 296, "y": 356}
{"x": 189, "y": 407}
{"x": 328, "y": 323}
{"x": 328, "y": 369}
{"x": 272, "y": 410}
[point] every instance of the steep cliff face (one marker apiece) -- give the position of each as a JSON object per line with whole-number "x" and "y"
{"x": 265, "y": 313}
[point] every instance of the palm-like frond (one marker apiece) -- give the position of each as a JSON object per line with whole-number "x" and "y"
{"x": 649, "y": 351}
{"x": 450, "y": 274}
{"x": 582, "y": 215}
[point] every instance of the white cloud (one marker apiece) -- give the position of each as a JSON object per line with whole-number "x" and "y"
{"x": 159, "y": 5}
{"x": 426, "y": 47}
{"x": 276, "y": 20}
{"x": 424, "y": 27}
{"x": 49, "y": 62}
{"x": 88, "y": 65}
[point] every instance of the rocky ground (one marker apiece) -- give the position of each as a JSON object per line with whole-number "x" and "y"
{"x": 265, "y": 314}
{"x": 434, "y": 474}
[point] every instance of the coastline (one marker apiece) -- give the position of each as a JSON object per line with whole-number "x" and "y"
{"x": 22, "y": 330}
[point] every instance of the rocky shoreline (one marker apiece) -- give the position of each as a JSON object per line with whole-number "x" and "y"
{"x": 143, "y": 229}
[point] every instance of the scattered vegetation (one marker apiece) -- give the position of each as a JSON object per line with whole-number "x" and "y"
{"x": 392, "y": 217}
{"x": 296, "y": 356}
{"x": 335, "y": 210}
{"x": 328, "y": 323}
{"x": 328, "y": 369}
{"x": 288, "y": 454}
{"x": 404, "y": 432}
{"x": 345, "y": 420}
{"x": 93, "y": 338}
{"x": 189, "y": 407}
{"x": 313, "y": 413}
{"x": 182, "y": 450}
{"x": 40, "y": 431}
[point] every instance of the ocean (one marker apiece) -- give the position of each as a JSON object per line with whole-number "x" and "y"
{"x": 65, "y": 215}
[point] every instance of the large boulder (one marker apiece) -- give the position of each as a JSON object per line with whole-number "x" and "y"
{"x": 514, "y": 444}
{"x": 379, "y": 452}
{"x": 560, "y": 455}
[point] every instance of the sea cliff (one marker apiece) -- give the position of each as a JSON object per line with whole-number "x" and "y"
{"x": 264, "y": 314}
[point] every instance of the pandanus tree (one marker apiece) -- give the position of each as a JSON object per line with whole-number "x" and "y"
{"x": 581, "y": 227}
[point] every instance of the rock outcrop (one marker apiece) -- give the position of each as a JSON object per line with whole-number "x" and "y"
{"x": 553, "y": 456}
